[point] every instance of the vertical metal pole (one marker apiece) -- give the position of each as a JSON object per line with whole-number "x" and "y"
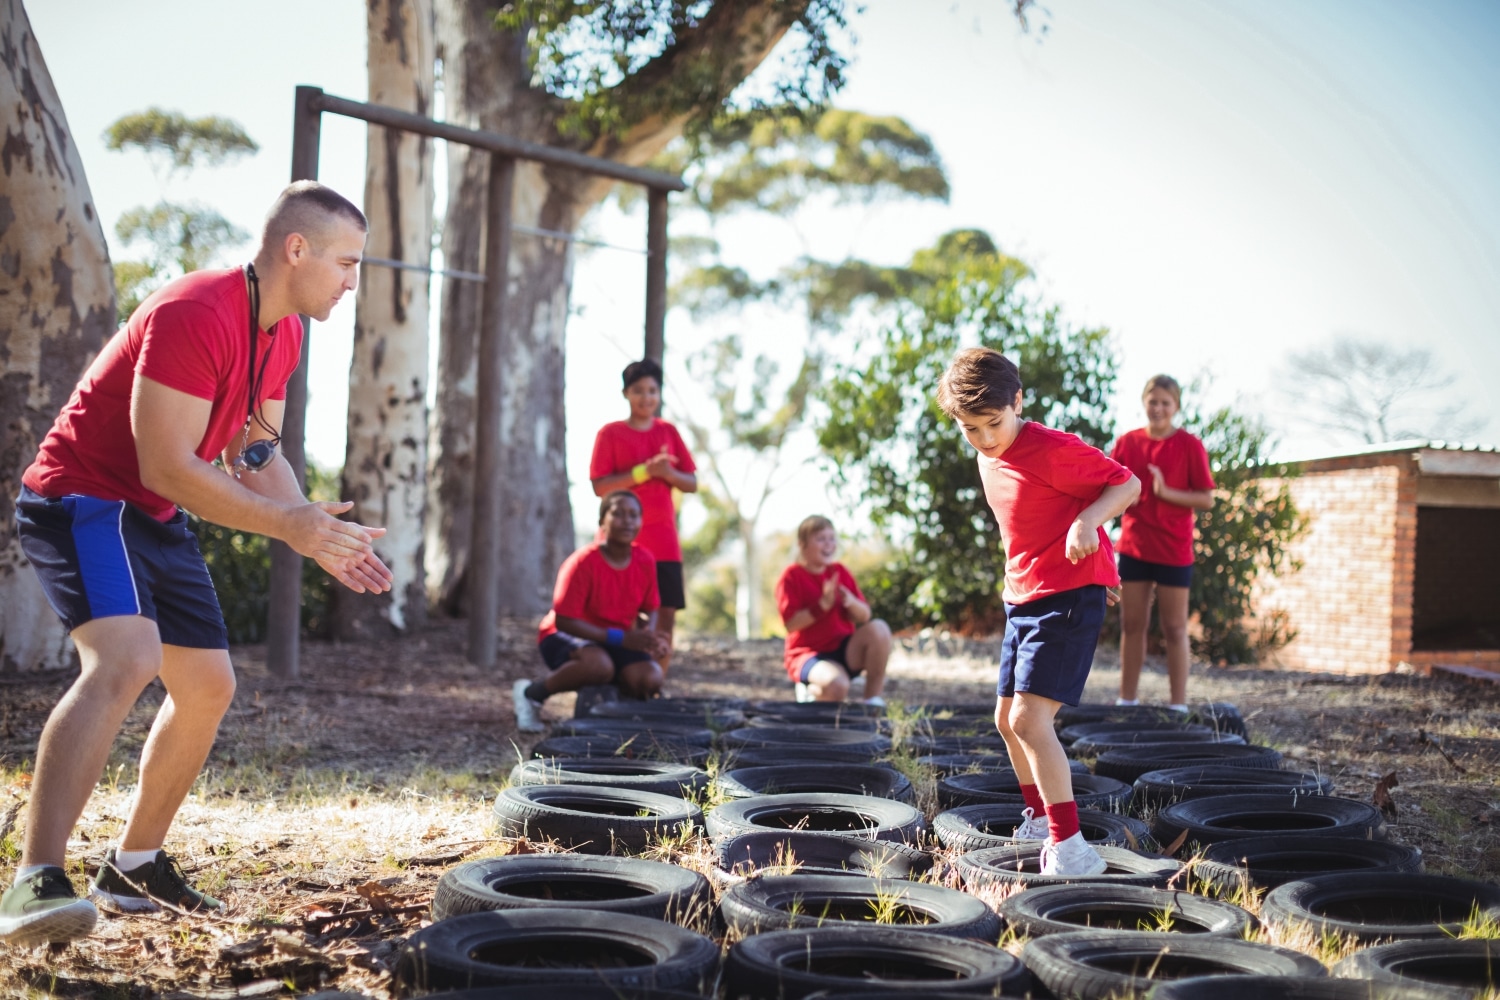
{"x": 284, "y": 612}
{"x": 484, "y": 552}
{"x": 656, "y": 274}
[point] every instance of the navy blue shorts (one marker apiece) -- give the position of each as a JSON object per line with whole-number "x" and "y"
{"x": 560, "y": 647}
{"x": 669, "y": 585}
{"x": 1133, "y": 570}
{"x": 1049, "y": 644}
{"x": 105, "y": 558}
{"x": 839, "y": 656}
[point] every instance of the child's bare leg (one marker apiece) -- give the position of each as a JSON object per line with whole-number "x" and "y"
{"x": 827, "y": 681}
{"x": 1135, "y": 618}
{"x": 869, "y": 651}
{"x": 1031, "y": 721}
{"x": 1172, "y": 607}
{"x": 590, "y": 665}
{"x": 666, "y": 621}
{"x": 641, "y": 680}
{"x": 1019, "y": 762}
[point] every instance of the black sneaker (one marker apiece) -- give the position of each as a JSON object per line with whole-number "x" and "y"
{"x": 136, "y": 890}
{"x": 42, "y": 908}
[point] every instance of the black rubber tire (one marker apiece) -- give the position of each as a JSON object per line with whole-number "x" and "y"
{"x": 790, "y": 965}
{"x": 877, "y": 819}
{"x": 817, "y": 853}
{"x": 953, "y": 725}
{"x": 1294, "y": 988}
{"x": 697, "y": 713}
{"x": 1077, "y": 731}
{"x": 654, "y": 730}
{"x": 1230, "y": 817}
{"x": 1092, "y": 746}
{"x": 1094, "y": 965}
{"x": 924, "y": 746}
{"x": 1450, "y": 969}
{"x": 600, "y": 745}
{"x": 1089, "y": 791}
{"x": 657, "y": 776}
{"x": 1020, "y": 864}
{"x": 591, "y": 819}
{"x": 813, "y": 711}
{"x": 849, "y": 779}
{"x": 1060, "y": 909}
{"x": 1070, "y": 715}
{"x": 551, "y": 993}
{"x": 853, "y": 723}
{"x": 1129, "y": 763}
{"x": 1220, "y": 715}
{"x": 732, "y": 757}
{"x": 1266, "y": 862}
{"x": 944, "y": 764}
{"x": 575, "y": 882}
{"x": 780, "y": 902}
{"x": 514, "y": 947}
{"x": 1379, "y": 907}
{"x": 973, "y": 828}
{"x": 810, "y": 739}
{"x": 1155, "y": 789}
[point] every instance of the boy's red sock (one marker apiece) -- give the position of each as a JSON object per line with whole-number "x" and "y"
{"x": 1062, "y": 820}
{"x": 1033, "y": 796}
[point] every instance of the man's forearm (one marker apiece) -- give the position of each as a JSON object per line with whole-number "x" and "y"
{"x": 216, "y": 496}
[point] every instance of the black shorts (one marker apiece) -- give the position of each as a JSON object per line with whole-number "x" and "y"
{"x": 104, "y": 558}
{"x": 1049, "y": 644}
{"x": 669, "y": 585}
{"x": 1133, "y": 570}
{"x": 839, "y": 656}
{"x": 560, "y": 647}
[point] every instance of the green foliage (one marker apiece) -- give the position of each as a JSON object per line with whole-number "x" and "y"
{"x": 176, "y": 239}
{"x": 182, "y": 141}
{"x": 710, "y": 606}
{"x": 905, "y": 460}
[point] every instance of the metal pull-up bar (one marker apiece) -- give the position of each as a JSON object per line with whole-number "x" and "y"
{"x": 283, "y": 627}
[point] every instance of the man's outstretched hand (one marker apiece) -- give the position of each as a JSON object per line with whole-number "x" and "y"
{"x": 344, "y": 550}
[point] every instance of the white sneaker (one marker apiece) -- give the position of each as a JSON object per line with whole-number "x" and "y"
{"x": 876, "y": 701}
{"x": 803, "y": 694}
{"x": 1033, "y": 827}
{"x": 1074, "y": 856}
{"x": 527, "y": 718}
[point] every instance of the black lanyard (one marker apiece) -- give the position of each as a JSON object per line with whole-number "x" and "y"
{"x": 257, "y": 379}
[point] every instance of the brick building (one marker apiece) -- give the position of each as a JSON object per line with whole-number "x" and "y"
{"x": 1400, "y": 563}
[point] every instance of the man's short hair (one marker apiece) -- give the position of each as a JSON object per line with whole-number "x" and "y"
{"x": 311, "y": 209}
{"x": 637, "y": 370}
{"x": 979, "y": 380}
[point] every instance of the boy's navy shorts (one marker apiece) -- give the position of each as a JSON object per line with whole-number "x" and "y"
{"x": 104, "y": 558}
{"x": 1133, "y": 570}
{"x": 840, "y": 655}
{"x": 560, "y": 647}
{"x": 1049, "y": 644}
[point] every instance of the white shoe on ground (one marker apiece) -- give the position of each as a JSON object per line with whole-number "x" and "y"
{"x": 803, "y": 694}
{"x": 876, "y": 701}
{"x": 1127, "y": 702}
{"x": 1033, "y": 827}
{"x": 1074, "y": 856}
{"x": 528, "y": 718}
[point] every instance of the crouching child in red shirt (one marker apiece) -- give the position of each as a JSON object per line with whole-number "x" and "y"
{"x": 1051, "y": 494}
{"x": 593, "y": 634}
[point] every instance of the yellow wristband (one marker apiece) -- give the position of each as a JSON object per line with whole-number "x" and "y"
{"x": 640, "y": 473}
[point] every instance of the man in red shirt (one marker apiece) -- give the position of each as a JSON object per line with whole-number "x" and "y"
{"x": 199, "y": 372}
{"x": 1052, "y": 495}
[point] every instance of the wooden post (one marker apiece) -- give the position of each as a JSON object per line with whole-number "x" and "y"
{"x": 484, "y": 555}
{"x": 284, "y": 610}
{"x": 656, "y": 274}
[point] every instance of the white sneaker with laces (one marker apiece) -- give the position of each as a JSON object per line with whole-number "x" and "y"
{"x": 1033, "y": 827}
{"x": 803, "y": 694}
{"x": 528, "y": 719}
{"x": 1074, "y": 856}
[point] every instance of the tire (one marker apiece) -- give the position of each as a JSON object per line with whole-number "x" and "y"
{"x": 1456, "y": 969}
{"x": 1059, "y": 909}
{"x": 1020, "y": 865}
{"x": 1094, "y": 965}
{"x": 781, "y": 902}
{"x": 649, "y": 731}
{"x": 698, "y": 713}
{"x": 660, "y": 777}
{"x": 853, "y": 723}
{"x": 876, "y": 819}
{"x": 972, "y": 828}
{"x": 1129, "y": 763}
{"x": 1295, "y": 988}
{"x": 813, "y": 712}
{"x": 850, "y": 779}
{"x": 1375, "y": 907}
{"x": 790, "y": 965}
{"x": 591, "y": 819}
{"x": 955, "y": 725}
{"x": 1092, "y": 746}
{"x": 574, "y": 882}
{"x": 1155, "y": 789}
{"x": 1266, "y": 862}
{"x": 733, "y": 757}
{"x": 1230, "y": 817}
{"x": 1071, "y": 715}
{"x": 1220, "y": 716}
{"x": 1077, "y": 731}
{"x": 944, "y": 764}
{"x": 1089, "y": 791}
{"x": 775, "y": 852}
{"x": 600, "y": 745}
{"x": 809, "y": 739}
{"x": 551, "y": 993}
{"x": 926, "y": 745}
{"x": 558, "y": 948}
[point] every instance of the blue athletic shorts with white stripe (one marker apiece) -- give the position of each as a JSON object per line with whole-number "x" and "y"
{"x": 104, "y": 558}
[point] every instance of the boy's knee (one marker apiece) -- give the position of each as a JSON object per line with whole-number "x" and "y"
{"x": 833, "y": 689}
{"x": 879, "y": 630}
{"x": 641, "y": 680}
{"x": 597, "y": 667}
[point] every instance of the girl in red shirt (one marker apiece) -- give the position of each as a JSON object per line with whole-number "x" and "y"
{"x": 1156, "y": 536}
{"x": 831, "y": 637}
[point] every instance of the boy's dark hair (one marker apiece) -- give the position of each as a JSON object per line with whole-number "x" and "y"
{"x": 637, "y": 370}
{"x": 978, "y": 380}
{"x": 610, "y": 498}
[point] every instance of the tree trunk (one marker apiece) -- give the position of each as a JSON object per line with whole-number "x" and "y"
{"x": 56, "y": 310}
{"x": 747, "y": 620}
{"x": 385, "y": 464}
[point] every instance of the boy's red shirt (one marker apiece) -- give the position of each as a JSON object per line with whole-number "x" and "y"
{"x": 1037, "y": 489}
{"x": 1154, "y": 530}
{"x": 800, "y": 590}
{"x": 618, "y": 447}
{"x": 590, "y": 589}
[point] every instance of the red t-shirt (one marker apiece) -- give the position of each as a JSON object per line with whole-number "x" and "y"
{"x": 589, "y": 588}
{"x": 1154, "y": 530}
{"x": 1037, "y": 489}
{"x": 193, "y": 335}
{"x": 619, "y": 448}
{"x": 799, "y": 590}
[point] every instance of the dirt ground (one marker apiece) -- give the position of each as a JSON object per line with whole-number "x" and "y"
{"x": 331, "y": 805}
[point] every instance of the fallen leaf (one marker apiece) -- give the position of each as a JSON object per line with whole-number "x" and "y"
{"x": 381, "y": 899}
{"x": 1382, "y": 796}
{"x": 1171, "y": 849}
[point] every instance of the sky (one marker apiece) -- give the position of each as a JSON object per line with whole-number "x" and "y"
{"x": 1219, "y": 182}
